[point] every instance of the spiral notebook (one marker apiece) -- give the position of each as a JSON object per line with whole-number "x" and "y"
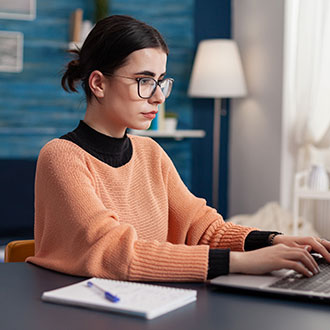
{"x": 144, "y": 300}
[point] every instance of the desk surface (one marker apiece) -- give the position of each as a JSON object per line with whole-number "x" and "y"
{"x": 21, "y": 308}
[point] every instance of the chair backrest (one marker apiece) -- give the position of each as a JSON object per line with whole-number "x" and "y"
{"x": 18, "y": 251}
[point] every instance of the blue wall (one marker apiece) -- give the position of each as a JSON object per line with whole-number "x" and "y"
{"x": 33, "y": 108}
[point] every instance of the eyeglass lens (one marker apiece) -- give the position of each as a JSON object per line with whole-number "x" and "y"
{"x": 147, "y": 87}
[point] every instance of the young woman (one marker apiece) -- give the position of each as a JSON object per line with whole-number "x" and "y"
{"x": 112, "y": 205}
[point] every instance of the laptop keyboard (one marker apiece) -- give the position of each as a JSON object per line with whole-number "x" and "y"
{"x": 318, "y": 283}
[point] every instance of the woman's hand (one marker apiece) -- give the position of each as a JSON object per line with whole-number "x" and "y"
{"x": 275, "y": 257}
{"x": 315, "y": 244}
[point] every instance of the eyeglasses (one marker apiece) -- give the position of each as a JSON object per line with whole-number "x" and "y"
{"x": 147, "y": 86}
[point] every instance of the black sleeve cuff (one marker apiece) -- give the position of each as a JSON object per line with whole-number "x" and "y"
{"x": 218, "y": 262}
{"x": 257, "y": 239}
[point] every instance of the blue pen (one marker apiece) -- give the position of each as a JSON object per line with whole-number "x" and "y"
{"x": 107, "y": 294}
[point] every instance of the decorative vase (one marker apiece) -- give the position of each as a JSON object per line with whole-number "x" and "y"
{"x": 318, "y": 178}
{"x": 170, "y": 124}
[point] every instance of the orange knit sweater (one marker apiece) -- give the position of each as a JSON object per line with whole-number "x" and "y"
{"x": 136, "y": 222}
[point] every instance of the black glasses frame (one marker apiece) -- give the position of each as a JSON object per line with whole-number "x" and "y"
{"x": 157, "y": 83}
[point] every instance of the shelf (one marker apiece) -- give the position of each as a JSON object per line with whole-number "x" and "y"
{"x": 303, "y": 192}
{"x": 312, "y": 194}
{"x": 177, "y": 135}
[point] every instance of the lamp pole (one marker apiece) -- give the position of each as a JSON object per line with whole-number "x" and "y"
{"x": 216, "y": 152}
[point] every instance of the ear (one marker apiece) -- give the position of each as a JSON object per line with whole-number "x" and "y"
{"x": 96, "y": 83}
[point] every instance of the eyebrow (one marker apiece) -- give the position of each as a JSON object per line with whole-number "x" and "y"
{"x": 149, "y": 73}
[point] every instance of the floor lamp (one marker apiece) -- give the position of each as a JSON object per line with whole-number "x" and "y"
{"x": 217, "y": 73}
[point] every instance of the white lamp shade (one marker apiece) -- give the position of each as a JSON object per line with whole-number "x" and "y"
{"x": 217, "y": 70}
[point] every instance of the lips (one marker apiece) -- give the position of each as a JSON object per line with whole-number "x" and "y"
{"x": 150, "y": 115}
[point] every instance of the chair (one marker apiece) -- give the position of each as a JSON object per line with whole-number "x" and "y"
{"x": 18, "y": 251}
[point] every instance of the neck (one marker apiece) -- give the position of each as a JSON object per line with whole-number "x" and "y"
{"x": 94, "y": 118}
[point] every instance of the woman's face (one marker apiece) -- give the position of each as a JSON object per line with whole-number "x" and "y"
{"x": 121, "y": 105}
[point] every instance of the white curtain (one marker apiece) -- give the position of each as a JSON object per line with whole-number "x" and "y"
{"x": 310, "y": 90}
{"x": 312, "y": 78}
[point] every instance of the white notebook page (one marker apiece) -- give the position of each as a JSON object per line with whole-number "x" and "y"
{"x": 139, "y": 299}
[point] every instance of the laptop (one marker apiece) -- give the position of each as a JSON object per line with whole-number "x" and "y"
{"x": 287, "y": 282}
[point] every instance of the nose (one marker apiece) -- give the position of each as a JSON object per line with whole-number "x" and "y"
{"x": 158, "y": 97}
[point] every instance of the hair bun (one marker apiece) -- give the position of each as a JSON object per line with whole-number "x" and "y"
{"x": 72, "y": 74}
{"x": 73, "y": 69}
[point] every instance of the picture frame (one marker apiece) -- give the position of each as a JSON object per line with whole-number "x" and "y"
{"x": 18, "y": 9}
{"x": 11, "y": 51}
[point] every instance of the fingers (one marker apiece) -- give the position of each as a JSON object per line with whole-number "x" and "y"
{"x": 303, "y": 246}
{"x": 295, "y": 256}
{"x": 324, "y": 243}
{"x": 318, "y": 245}
{"x": 321, "y": 246}
{"x": 301, "y": 261}
{"x": 299, "y": 268}
{"x": 298, "y": 259}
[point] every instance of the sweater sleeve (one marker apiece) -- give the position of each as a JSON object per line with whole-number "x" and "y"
{"x": 258, "y": 239}
{"x": 199, "y": 223}
{"x": 76, "y": 234}
{"x": 218, "y": 263}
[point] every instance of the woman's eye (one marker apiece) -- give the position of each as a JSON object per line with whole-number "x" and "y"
{"x": 146, "y": 81}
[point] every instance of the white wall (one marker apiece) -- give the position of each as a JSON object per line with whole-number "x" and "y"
{"x": 255, "y": 122}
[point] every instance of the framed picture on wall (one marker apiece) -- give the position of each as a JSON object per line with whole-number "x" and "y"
{"x": 18, "y": 9}
{"x": 11, "y": 51}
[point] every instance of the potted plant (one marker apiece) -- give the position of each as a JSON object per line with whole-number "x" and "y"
{"x": 101, "y": 9}
{"x": 171, "y": 121}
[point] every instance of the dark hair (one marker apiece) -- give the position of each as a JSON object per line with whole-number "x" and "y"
{"x": 106, "y": 49}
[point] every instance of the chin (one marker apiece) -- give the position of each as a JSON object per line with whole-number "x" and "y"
{"x": 141, "y": 127}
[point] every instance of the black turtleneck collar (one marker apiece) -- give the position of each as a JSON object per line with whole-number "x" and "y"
{"x": 115, "y": 152}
